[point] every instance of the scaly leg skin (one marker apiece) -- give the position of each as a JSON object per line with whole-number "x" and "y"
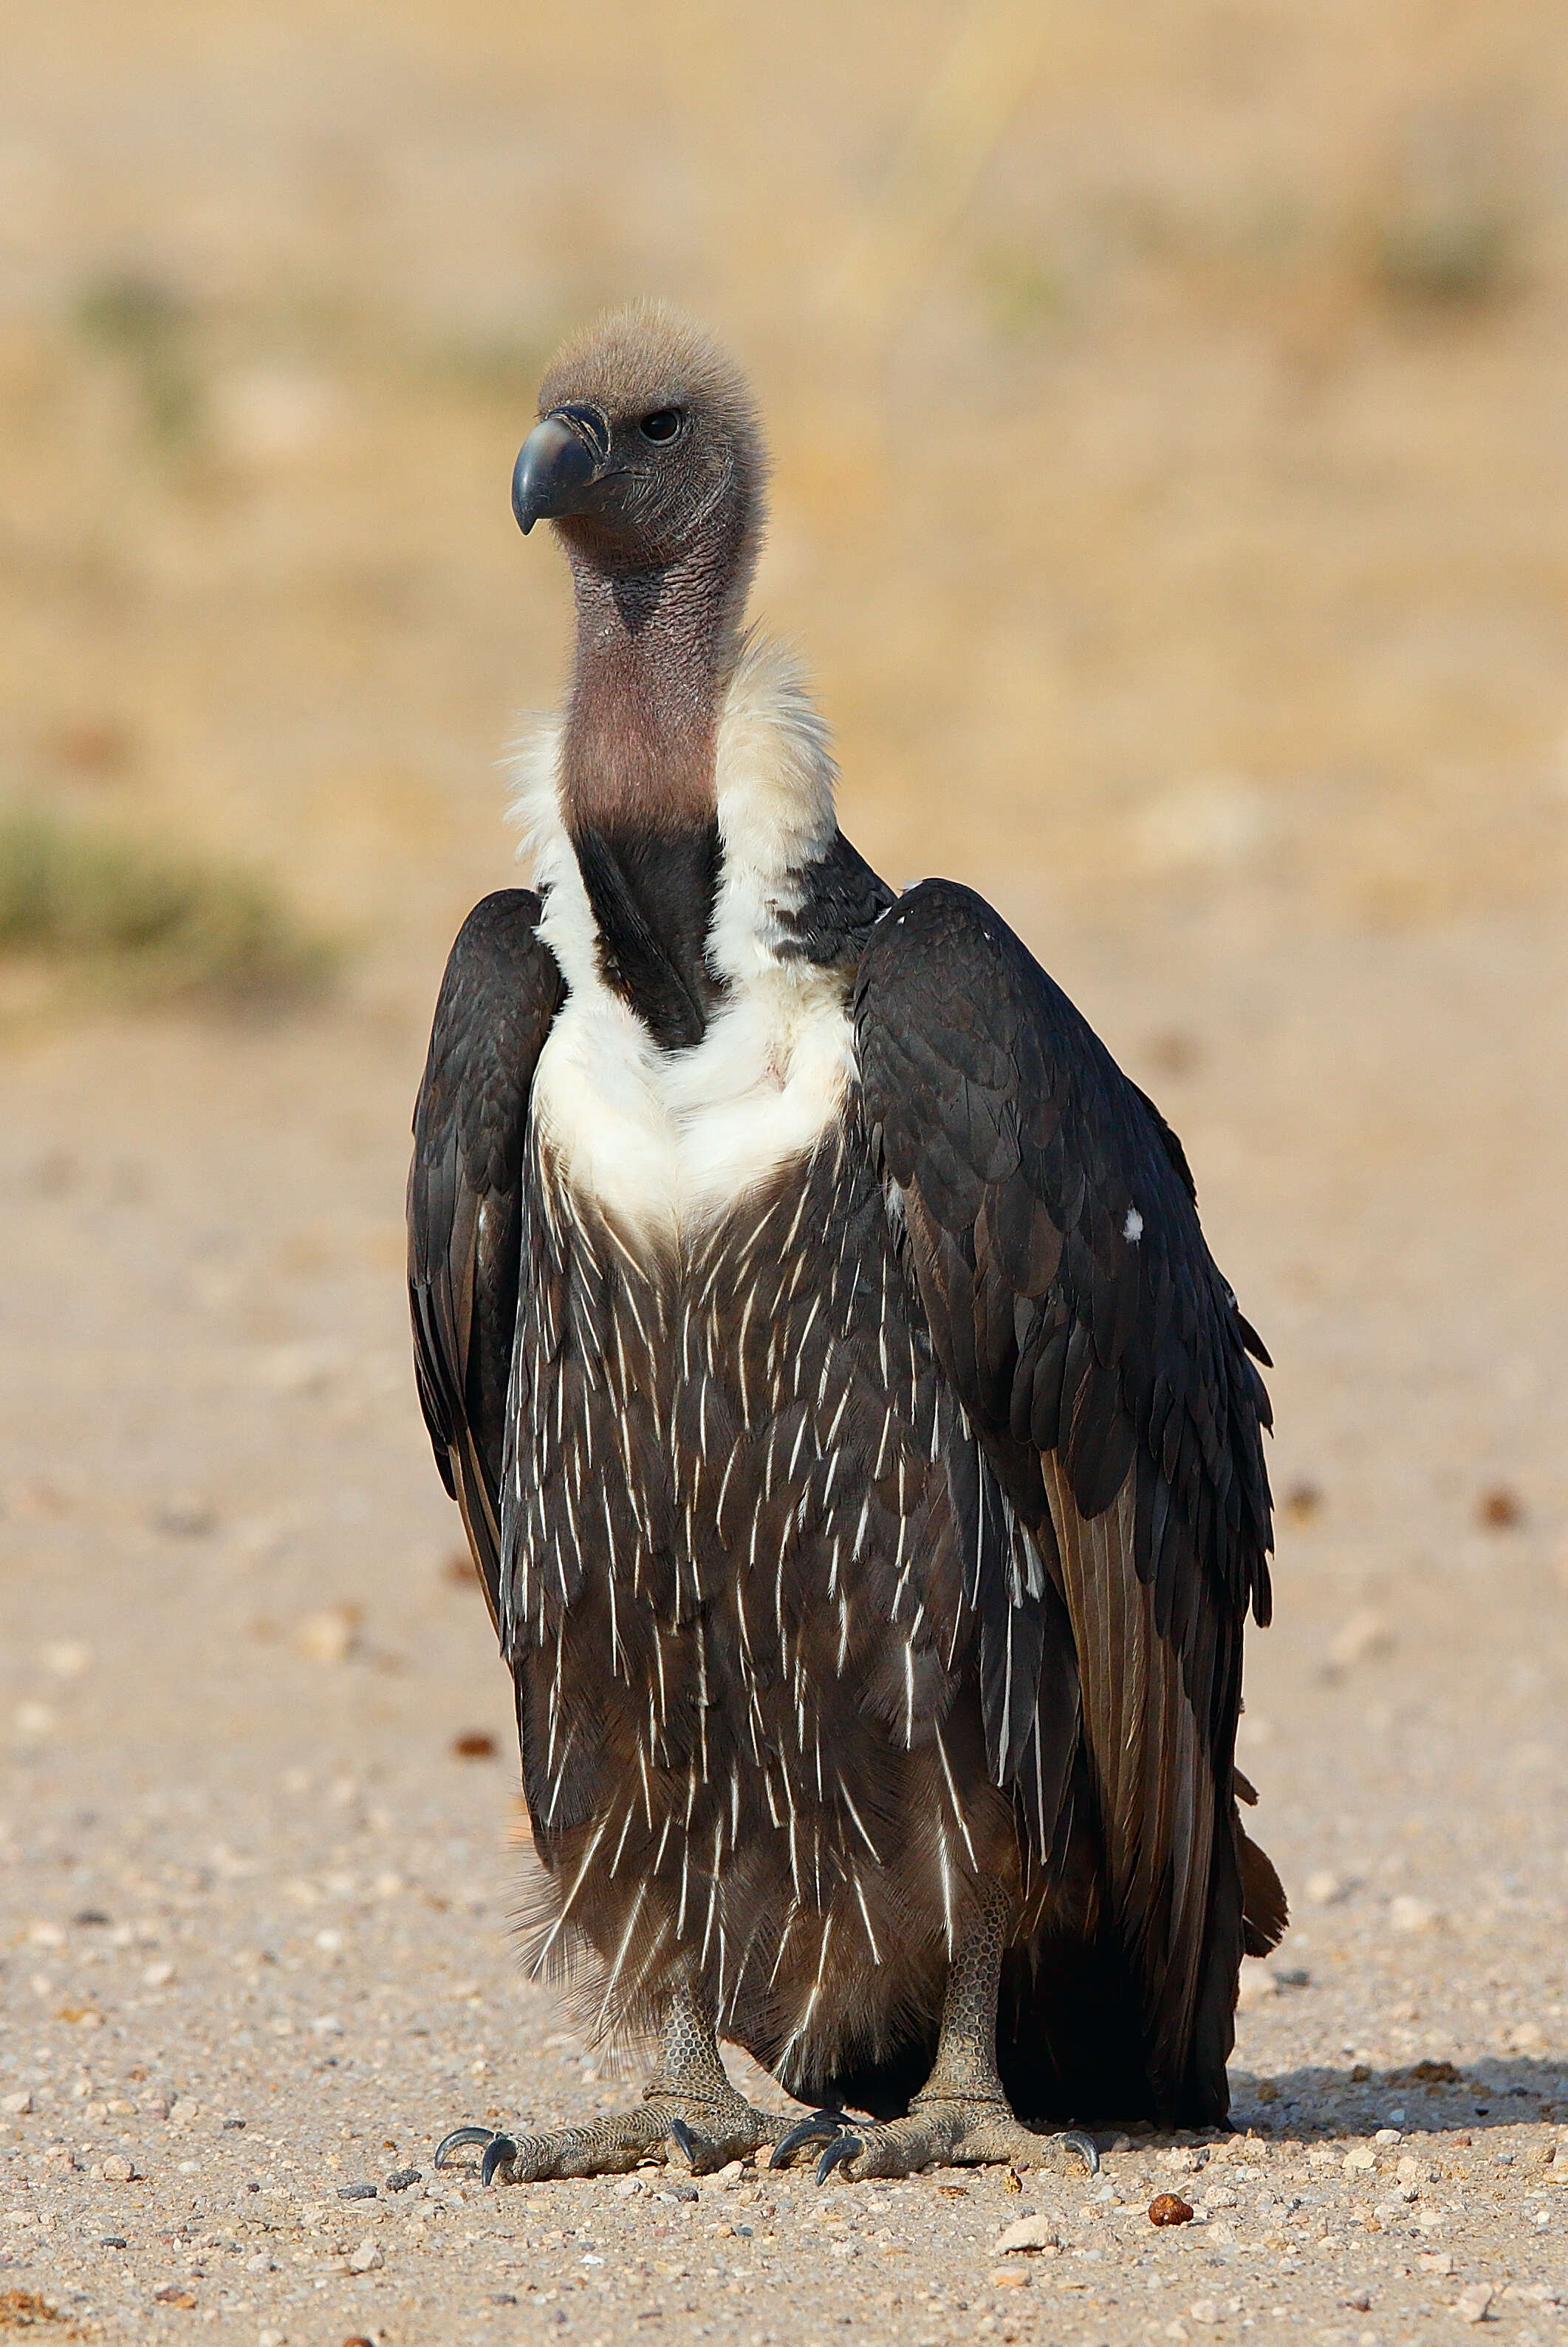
{"x": 960, "y": 2117}
{"x": 690, "y": 2102}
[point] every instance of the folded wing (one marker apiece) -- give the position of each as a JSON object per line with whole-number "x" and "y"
{"x": 1053, "y": 1233}
{"x": 499, "y": 998}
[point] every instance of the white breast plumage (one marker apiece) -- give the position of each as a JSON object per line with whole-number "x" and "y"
{"x": 667, "y": 1140}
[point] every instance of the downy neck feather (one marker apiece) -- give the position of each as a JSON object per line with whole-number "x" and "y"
{"x": 666, "y": 1140}
{"x": 774, "y": 778}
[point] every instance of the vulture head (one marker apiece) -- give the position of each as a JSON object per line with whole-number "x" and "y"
{"x": 647, "y": 455}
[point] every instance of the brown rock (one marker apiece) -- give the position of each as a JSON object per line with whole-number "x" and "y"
{"x": 1170, "y": 2208}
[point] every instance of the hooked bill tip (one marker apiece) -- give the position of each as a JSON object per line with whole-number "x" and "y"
{"x": 555, "y": 466}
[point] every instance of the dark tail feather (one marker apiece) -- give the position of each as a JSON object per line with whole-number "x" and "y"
{"x": 1265, "y": 1911}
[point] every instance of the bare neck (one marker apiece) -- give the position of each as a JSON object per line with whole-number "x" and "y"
{"x": 654, "y": 649}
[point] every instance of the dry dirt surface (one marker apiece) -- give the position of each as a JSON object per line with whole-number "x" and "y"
{"x": 255, "y": 1890}
{"x": 1171, "y": 499}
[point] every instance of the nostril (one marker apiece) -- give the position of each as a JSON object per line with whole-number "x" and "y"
{"x": 590, "y": 421}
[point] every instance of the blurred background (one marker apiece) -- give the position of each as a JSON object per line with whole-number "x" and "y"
{"x": 1169, "y": 402}
{"x": 1168, "y": 407}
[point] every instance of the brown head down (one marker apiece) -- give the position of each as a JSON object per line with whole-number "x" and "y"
{"x": 648, "y": 461}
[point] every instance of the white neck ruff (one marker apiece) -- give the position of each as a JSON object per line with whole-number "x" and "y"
{"x": 665, "y": 1141}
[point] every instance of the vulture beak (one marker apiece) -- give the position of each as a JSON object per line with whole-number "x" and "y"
{"x": 560, "y": 460}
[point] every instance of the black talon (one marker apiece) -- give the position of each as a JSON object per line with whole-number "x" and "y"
{"x": 459, "y": 2137}
{"x": 821, "y": 2125}
{"x": 497, "y": 2152}
{"x": 1073, "y": 2141}
{"x": 848, "y": 2146}
{"x": 688, "y": 2143}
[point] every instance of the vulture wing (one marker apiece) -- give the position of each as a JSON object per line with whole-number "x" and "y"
{"x": 1052, "y": 1232}
{"x": 500, "y": 993}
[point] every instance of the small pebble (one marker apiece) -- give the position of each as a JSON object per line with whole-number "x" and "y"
{"x": 1362, "y": 1636}
{"x": 117, "y": 2168}
{"x": 112, "y": 2242}
{"x": 365, "y": 2259}
{"x": 1170, "y": 2208}
{"x": 401, "y": 2178}
{"x": 186, "y": 1517}
{"x": 356, "y": 2192}
{"x": 1475, "y": 2304}
{"x": 1205, "y": 2310}
{"x": 329, "y": 1637}
{"x": 1360, "y": 2301}
{"x": 17, "y": 2106}
{"x": 1360, "y": 2158}
{"x": 1028, "y": 2233}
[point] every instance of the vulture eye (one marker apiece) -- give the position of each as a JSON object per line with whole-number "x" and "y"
{"x": 662, "y": 424}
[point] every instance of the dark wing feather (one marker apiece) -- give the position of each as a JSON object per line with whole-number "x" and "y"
{"x": 500, "y": 993}
{"x": 1052, "y": 1232}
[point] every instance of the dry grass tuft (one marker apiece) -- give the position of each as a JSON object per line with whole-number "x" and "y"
{"x": 153, "y": 924}
{"x": 23, "y": 2310}
{"x": 1453, "y": 252}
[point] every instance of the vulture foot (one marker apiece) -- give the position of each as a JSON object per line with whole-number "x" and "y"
{"x": 707, "y": 2131}
{"x": 938, "y": 2132}
{"x": 960, "y": 2117}
{"x": 690, "y": 2104}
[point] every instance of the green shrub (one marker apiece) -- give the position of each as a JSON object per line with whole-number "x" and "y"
{"x": 147, "y": 921}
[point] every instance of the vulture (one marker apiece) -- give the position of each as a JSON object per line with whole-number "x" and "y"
{"x": 858, "y": 1444}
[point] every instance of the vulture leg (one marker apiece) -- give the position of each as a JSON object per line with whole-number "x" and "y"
{"x": 690, "y": 2102}
{"x": 960, "y": 2117}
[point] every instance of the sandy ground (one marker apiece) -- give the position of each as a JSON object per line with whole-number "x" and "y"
{"x": 255, "y": 1942}
{"x": 1179, "y": 544}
